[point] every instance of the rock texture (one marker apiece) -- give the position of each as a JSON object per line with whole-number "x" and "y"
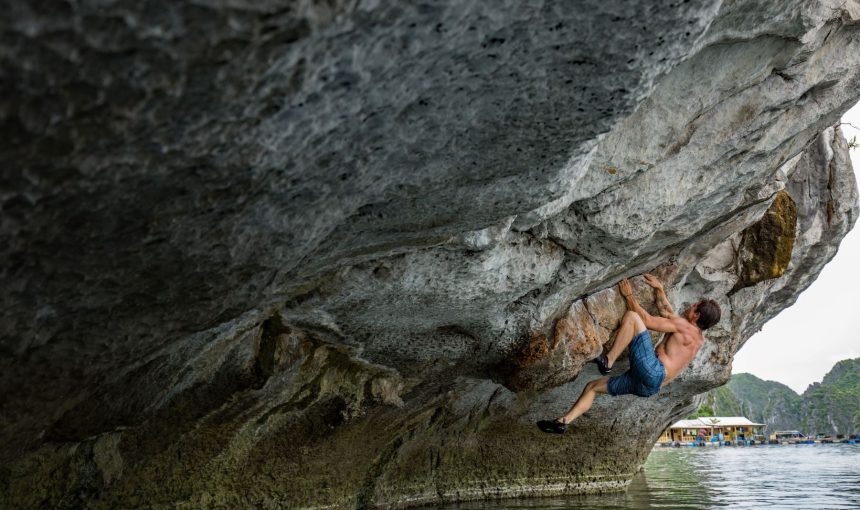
{"x": 306, "y": 254}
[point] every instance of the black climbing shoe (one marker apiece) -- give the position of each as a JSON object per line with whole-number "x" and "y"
{"x": 552, "y": 426}
{"x": 602, "y": 364}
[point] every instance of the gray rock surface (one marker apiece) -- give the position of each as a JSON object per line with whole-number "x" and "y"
{"x": 294, "y": 254}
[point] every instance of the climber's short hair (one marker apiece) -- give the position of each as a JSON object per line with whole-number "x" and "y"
{"x": 709, "y": 313}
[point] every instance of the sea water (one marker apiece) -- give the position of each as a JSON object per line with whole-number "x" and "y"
{"x": 821, "y": 476}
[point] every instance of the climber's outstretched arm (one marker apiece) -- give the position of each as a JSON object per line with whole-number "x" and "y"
{"x": 661, "y": 324}
{"x": 660, "y": 298}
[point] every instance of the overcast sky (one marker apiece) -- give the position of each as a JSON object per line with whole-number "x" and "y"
{"x": 803, "y": 342}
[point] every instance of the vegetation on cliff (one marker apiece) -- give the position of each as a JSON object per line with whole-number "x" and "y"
{"x": 829, "y": 407}
{"x": 833, "y": 405}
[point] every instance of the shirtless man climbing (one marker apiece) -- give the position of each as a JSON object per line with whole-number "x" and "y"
{"x": 650, "y": 368}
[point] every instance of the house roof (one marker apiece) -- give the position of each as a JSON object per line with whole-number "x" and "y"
{"x": 687, "y": 424}
{"x": 715, "y": 421}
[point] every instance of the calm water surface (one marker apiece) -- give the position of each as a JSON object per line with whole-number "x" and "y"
{"x": 774, "y": 477}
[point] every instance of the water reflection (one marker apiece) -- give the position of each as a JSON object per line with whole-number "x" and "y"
{"x": 791, "y": 477}
{"x": 672, "y": 479}
{"x": 803, "y": 476}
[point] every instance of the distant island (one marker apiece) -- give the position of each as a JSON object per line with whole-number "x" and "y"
{"x": 831, "y": 407}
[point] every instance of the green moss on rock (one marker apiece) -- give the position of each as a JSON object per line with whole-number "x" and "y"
{"x": 766, "y": 246}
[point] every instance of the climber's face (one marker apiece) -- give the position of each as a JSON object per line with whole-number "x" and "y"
{"x": 692, "y": 314}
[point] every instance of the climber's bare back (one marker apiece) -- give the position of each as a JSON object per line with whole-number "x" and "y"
{"x": 683, "y": 337}
{"x": 679, "y": 346}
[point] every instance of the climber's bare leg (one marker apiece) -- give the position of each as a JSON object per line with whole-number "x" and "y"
{"x": 631, "y": 325}
{"x": 583, "y": 403}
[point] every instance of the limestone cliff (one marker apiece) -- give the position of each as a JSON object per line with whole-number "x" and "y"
{"x": 830, "y": 407}
{"x": 343, "y": 254}
{"x": 768, "y": 402}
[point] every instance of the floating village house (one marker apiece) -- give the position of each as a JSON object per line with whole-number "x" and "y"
{"x": 714, "y": 429}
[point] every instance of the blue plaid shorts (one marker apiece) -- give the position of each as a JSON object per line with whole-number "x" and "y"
{"x": 646, "y": 371}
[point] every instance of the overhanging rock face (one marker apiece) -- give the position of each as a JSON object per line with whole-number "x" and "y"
{"x": 344, "y": 254}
